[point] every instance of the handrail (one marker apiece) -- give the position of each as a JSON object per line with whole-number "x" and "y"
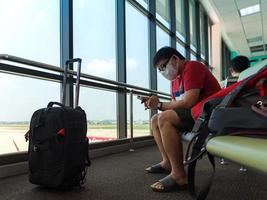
{"x": 83, "y": 75}
{"x": 30, "y": 62}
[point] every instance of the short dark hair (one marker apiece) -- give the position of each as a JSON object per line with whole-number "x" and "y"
{"x": 166, "y": 53}
{"x": 239, "y": 63}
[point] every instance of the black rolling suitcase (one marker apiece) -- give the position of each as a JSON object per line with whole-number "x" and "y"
{"x": 58, "y": 145}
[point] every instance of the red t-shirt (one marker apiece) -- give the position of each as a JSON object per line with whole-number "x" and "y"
{"x": 194, "y": 75}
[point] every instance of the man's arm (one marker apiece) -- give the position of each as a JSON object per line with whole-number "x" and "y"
{"x": 190, "y": 98}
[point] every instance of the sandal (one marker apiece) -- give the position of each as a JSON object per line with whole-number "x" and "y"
{"x": 157, "y": 168}
{"x": 167, "y": 184}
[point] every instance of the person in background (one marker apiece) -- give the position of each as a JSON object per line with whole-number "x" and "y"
{"x": 237, "y": 65}
{"x": 191, "y": 82}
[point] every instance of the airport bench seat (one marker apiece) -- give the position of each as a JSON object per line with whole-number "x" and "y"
{"x": 247, "y": 151}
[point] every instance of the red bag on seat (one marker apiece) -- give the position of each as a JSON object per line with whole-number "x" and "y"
{"x": 257, "y": 80}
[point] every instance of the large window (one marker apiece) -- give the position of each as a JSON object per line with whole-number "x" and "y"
{"x": 94, "y": 36}
{"x": 100, "y": 107}
{"x": 163, "y": 39}
{"x": 20, "y": 97}
{"x": 192, "y": 15}
{"x": 137, "y": 67}
{"x": 136, "y": 47}
{"x": 30, "y": 29}
{"x": 180, "y": 26}
{"x": 163, "y": 11}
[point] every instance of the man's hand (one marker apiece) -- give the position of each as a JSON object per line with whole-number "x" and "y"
{"x": 152, "y": 102}
{"x": 143, "y": 100}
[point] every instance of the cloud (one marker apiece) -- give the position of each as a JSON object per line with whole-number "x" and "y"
{"x": 107, "y": 67}
{"x": 131, "y": 63}
{"x": 41, "y": 16}
{"x": 21, "y": 19}
{"x": 6, "y": 82}
{"x": 81, "y": 3}
{"x": 101, "y": 67}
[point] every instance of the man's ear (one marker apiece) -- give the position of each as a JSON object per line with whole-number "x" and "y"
{"x": 231, "y": 70}
{"x": 175, "y": 60}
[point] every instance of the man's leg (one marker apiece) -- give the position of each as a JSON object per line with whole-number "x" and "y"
{"x": 157, "y": 136}
{"x": 168, "y": 122}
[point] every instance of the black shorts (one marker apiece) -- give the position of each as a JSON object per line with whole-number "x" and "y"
{"x": 187, "y": 121}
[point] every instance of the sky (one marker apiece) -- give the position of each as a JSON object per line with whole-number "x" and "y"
{"x": 32, "y": 31}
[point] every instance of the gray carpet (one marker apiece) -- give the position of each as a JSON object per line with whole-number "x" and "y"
{"x": 122, "y": 177}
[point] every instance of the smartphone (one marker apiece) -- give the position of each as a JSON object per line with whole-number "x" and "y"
{"x": 142, "y": 98}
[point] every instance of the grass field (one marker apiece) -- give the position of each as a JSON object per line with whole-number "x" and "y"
{"x": 12, "y": 135}
{"x": 114, "y": 126}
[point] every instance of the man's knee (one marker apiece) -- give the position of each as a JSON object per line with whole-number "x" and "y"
{"x": 154, "y": 121}
{"x": 168, "y": 118}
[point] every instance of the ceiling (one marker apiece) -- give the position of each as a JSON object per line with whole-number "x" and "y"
{"x": 247, "y": 35}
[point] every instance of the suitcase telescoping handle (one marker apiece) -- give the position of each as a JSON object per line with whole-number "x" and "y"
{"x": 77, "y": 85}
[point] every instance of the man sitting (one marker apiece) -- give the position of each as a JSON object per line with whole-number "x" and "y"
{"x": 191, "y": 82}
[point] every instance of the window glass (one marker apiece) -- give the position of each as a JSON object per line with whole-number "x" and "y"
{"x": 163, "y": 12}
{"x": 141, "y": 122}
{"x": 163, "y": 39}
{"x": 94, "y": 36}
{"x": 100, "y": 107}
{"x": 144, "y": 3}
{"x": 136, "y": 47}
{"x": 192, "y": 15}
{"x": 193, "y": 57}
{"x": 20, "y": 97}
{"x": 180, "y": 48}
{"x": 30, "y": 29}
{"x": 180, "y": 27}
{"x": 137, "y": 67}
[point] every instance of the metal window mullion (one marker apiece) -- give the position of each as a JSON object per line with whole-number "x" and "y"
{"x": 172, "y": 23}
{"x": 210, "y": 41}
{"x": 197, "y": 24}
{"x": 139, "y": 7}
{"x": 228, "y": 59}
{"x": 223, "y": 49}
{"x": 206, "y": 39}
{"x": 172, "y": 26}
{"x": 152, "y": 49}
{"x": 187, "y": 29}
{"x": 66, "y": 42}
{"x": 121, "y": 68}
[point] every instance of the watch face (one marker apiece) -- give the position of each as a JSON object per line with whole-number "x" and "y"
{"x": 159, "y": 105}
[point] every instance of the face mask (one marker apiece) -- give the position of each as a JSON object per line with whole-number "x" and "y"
{"x": 170, "y": 72}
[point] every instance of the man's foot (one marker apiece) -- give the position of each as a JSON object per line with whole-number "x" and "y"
{"x": 157, "y": 168}
{"x": 167, "y": 184}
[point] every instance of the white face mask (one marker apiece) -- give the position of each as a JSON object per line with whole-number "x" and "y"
{"x": 170, "y": 72}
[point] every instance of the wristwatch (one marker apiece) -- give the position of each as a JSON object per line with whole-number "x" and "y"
{"x": 159, "y": 105}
